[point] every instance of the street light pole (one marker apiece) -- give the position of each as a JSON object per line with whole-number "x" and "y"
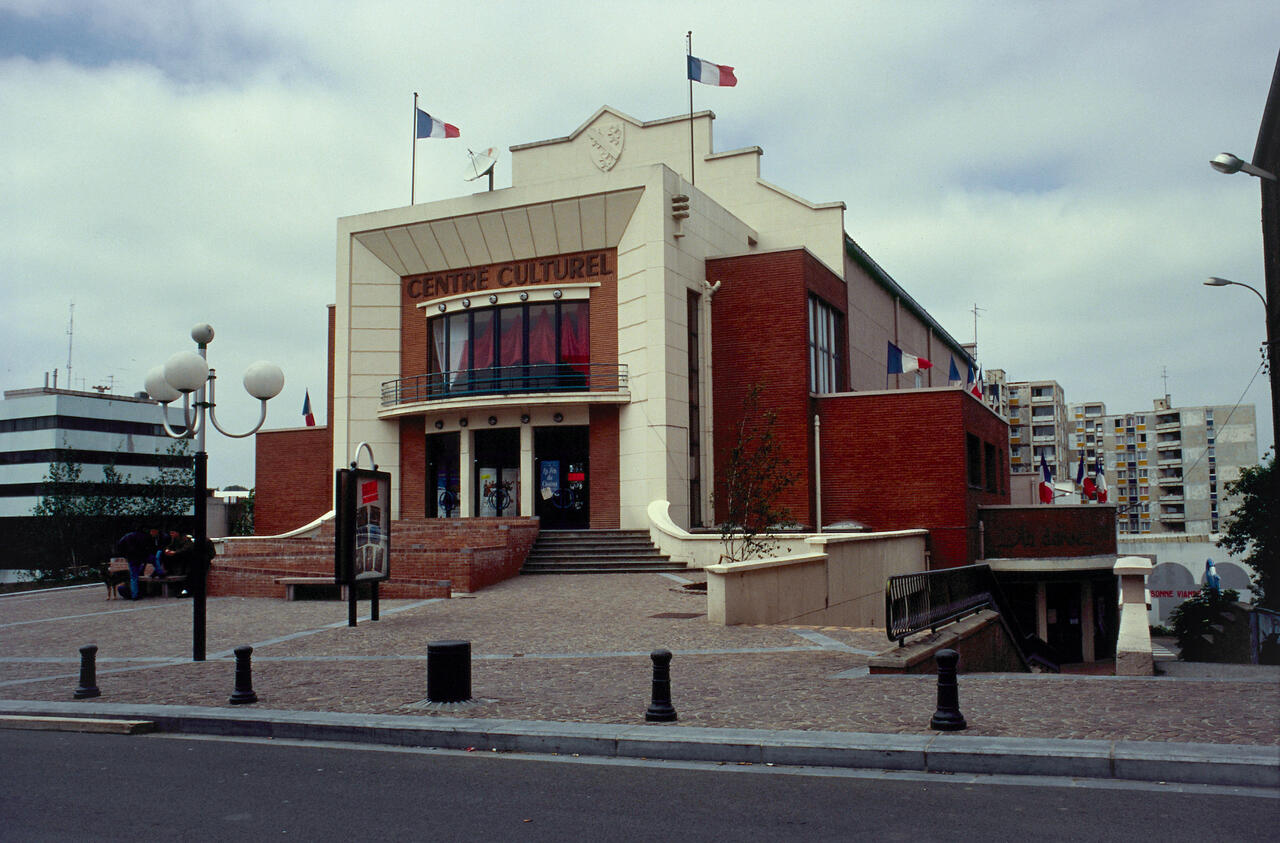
{"x": 186, "y": 374}
{"x": 1269, "y": 350}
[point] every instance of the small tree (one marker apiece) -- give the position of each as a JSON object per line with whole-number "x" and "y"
{"x": 64, "y": 510}
{"x": 171, "y": 488}
{"x": 1208, "y": 630}
{"x": 243, "y": 524}
{"x": 756, "y": 476}
{"x": 1253, "y": 529}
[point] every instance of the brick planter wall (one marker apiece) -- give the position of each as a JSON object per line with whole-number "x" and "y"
{"x": 429, "y": 558}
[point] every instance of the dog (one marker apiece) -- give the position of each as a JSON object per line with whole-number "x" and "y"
{"x": 114, "y": 573}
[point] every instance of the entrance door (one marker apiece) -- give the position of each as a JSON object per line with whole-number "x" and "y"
{"x": 497, "y": 478}
{"x": 1062, "y": 610}
{"x": 442, "y": 476}
{"x": 561, "y": 472}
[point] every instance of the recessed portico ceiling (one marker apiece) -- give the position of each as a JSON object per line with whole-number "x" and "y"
{"x": 519, "y": 233}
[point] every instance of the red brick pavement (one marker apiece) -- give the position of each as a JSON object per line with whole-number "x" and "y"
{"x": 575, "y": 649}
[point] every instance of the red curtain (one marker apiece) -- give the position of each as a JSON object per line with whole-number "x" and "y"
{"x": 574, "y": 344}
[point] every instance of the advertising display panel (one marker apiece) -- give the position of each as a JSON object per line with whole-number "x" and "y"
{"x": 362, "y": 526}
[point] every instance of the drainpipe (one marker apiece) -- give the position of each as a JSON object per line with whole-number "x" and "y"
{"x": 982, "y": 540}
{"x": 817, "y": 469}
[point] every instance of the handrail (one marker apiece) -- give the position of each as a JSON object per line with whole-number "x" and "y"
{"x": 929, "y": 599}
{"x": 521, "y": 379}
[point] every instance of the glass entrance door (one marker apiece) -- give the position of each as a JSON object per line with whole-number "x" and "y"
{"x": 561, "y": 499}
{"x": 497, "y": 478}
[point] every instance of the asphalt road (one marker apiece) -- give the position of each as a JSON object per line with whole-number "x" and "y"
{"x": 70, "y": 786}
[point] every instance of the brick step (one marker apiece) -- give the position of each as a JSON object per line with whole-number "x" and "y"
{"x": 630, "y": 568}
{"x": 595, "y": 547}
{"x": 596, "y": 552}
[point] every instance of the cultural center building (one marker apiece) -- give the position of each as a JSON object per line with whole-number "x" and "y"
{"x": 580, "y": 345}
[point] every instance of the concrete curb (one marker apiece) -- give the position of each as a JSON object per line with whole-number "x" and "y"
{"x": 1185, "y": 763}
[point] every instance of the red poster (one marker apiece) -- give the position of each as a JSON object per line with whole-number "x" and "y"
{"x": 369, "y": 491}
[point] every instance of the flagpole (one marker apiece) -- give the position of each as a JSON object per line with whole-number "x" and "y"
{"x": 689, "y": 53}
{"x": 413, "y": 153}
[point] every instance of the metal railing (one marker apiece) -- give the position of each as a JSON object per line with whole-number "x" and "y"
{"x": 929, "y": 599}
{"x": 506, "y": 380}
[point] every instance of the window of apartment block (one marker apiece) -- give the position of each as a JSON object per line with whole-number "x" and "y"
{"x": 825, "y": 342}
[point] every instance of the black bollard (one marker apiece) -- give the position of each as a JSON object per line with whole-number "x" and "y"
{"x": 244, "y": 678}
{"x": 448, "y": 671}
{"x": 660, "y": 709}
{"x": 88, "y": 673}
{"x": 948, "y": 717}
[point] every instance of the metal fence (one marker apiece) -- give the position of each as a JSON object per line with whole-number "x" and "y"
{"x": 929, "y": 599}
{"x": 503, "y": 380}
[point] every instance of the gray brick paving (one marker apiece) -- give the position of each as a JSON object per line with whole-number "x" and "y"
{"x": 574, "y": 649}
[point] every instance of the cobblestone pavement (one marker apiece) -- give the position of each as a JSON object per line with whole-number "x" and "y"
{"x": 576, "y": 648}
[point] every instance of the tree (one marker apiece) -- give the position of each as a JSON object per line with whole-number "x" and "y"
{"x": 1253, "y": 529}
{"x": 243, "y": 524}
{"x": 170, "y": 492}
{"x": 756, "y": 476}
{"x": 64, "y": 511}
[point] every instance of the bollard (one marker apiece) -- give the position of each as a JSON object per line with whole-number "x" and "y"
{"x": 244, "y": 678}
{"x": 948, "y": 717}
{"x": 660, "y": 709}
{"x": 88, "y": 673}
{"x": 448, "y": 671}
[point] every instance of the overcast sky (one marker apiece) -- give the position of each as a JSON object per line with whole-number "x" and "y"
{"x": 166, "y": 163}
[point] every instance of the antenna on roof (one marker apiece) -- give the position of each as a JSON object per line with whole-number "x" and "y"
{"x": 481, "y": 164}
{"x": 71, "y": 334}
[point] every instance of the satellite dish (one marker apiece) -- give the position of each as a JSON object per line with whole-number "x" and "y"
{"x": 481, "y": 164}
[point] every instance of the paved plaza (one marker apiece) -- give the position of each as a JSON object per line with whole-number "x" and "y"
{"x": 576, "y": 649}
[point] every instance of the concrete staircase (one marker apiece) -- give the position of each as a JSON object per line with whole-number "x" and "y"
{"x": 596, "y": 552}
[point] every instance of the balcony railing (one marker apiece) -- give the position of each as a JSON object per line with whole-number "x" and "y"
{"x": 506, "y": 380}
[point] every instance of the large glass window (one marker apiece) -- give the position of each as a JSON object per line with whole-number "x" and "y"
{"x": 513, "y": 348}
{"x": 824, "y": 347}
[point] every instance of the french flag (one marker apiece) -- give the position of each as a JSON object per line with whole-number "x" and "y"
{"x": 306, "y": 410}
{"x": 711, "y": 74}
{"x": 975, "y": 383}
{"x": 953, "y": 377}
{"x": 900, "y": 363}
{"x": 430, "y": 127}
{"x": 1046, "y": 482}
{"x": 1100, "y": 481}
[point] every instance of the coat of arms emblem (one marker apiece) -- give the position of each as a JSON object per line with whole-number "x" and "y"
{"x": 604, "y": 145}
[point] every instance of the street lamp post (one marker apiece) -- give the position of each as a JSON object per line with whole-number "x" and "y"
{"x": 1269, "y": 352}
{"x": 1265, "y": 154}
{"x": 183, "y": 374}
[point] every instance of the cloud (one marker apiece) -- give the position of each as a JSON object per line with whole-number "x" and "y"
{"x": 180, "y": 162}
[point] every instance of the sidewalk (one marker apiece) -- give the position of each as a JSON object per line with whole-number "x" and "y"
{"x": 550, "y": 652}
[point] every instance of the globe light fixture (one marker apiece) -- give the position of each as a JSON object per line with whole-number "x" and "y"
{"x": 187, "y": 375}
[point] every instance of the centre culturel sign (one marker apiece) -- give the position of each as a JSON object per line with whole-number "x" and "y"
{"x": 561, "y": 269}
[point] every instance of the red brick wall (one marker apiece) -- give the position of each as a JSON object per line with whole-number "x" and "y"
{"x": 429, "y": 557}
{"x": 293, "y": 478}
{"x": 602, "y": 445}
{"x": 1045, "y": 531}
{"x": 413, "y": 467}
{"x": 897, "y": 460}
{"x": 760, "y": 335}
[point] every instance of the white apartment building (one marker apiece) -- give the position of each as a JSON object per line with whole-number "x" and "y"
{"x": 1038, "y": 426}
{"x": 1167, "y": 469}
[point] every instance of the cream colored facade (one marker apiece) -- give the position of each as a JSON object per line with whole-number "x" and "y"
{"x": 614, "y": 183}
{"x": 571, "y": 194}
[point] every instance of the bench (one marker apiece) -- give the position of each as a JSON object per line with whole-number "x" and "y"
{"x": 169, "y": 586}
{"x": 291, "y": 585}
